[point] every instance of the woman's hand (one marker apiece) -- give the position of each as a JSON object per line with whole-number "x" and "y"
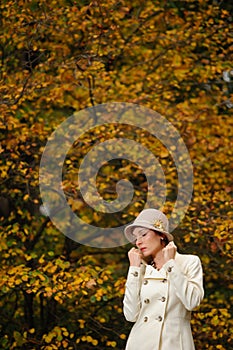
{"x": 135, "y": 257}
{"x": 169, "y": 251}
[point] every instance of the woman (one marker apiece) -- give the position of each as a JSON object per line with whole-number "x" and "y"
{"x": 162, "y": 287}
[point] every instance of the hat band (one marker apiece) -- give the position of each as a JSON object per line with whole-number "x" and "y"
{"x": 158, "y": 224}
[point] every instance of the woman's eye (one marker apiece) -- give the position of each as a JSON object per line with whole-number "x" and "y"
{"x": 144, "y": 234}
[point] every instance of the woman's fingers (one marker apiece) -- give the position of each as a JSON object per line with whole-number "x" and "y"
{"x": 169, "y": 251}
{"x": 135, "y": 257}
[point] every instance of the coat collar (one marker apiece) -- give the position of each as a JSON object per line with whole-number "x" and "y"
{"x": 151, "y": 272}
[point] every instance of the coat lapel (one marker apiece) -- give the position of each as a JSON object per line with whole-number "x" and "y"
{"x": 151, "y": 272}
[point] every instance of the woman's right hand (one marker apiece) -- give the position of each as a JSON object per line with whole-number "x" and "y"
{"x": 135, "y": 257}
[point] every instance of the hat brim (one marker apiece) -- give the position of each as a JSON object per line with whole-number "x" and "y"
{"x": 131, "y": 238}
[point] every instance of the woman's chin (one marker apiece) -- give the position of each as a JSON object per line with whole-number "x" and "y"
{"x": 146, "y": 253}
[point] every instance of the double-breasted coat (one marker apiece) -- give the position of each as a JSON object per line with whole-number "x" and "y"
{"x": 160, "y": 303}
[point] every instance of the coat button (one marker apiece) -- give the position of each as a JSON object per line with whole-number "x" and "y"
{"x": 159, "y": 318}
{"x": 145, "y": 282}
{"x": 163, "y": 299}
{"x": 164, "y": 280}
{"x": 145, "y": 319}
{"x": 146, "y": 301}
{"x": 170, "y": 269}
{"x": 135, "y": 274}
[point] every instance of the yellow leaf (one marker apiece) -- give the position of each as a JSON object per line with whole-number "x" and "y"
{"x": 25, "y": 278}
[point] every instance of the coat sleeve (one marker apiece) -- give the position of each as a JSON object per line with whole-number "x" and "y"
{"x": 131, "y": 301}
{"x": 187, "y": 281}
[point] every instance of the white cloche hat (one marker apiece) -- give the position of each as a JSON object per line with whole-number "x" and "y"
{"x": 152, "y": 219}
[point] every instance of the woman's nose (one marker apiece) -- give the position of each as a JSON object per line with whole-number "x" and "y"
{"x": 138, "y": 241}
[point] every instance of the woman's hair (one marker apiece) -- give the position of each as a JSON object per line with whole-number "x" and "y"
{"x": 164, "y": 238}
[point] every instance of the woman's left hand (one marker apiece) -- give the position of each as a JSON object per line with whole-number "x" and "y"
{"x": 169, "y": 251}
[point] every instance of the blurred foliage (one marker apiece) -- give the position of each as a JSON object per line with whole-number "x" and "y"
{"x": 59, "y": 57}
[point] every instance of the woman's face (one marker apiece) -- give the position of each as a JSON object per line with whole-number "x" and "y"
{"x": 148, "y": 241}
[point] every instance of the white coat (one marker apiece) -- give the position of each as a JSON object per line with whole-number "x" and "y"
{"x": 160, "y": 303}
